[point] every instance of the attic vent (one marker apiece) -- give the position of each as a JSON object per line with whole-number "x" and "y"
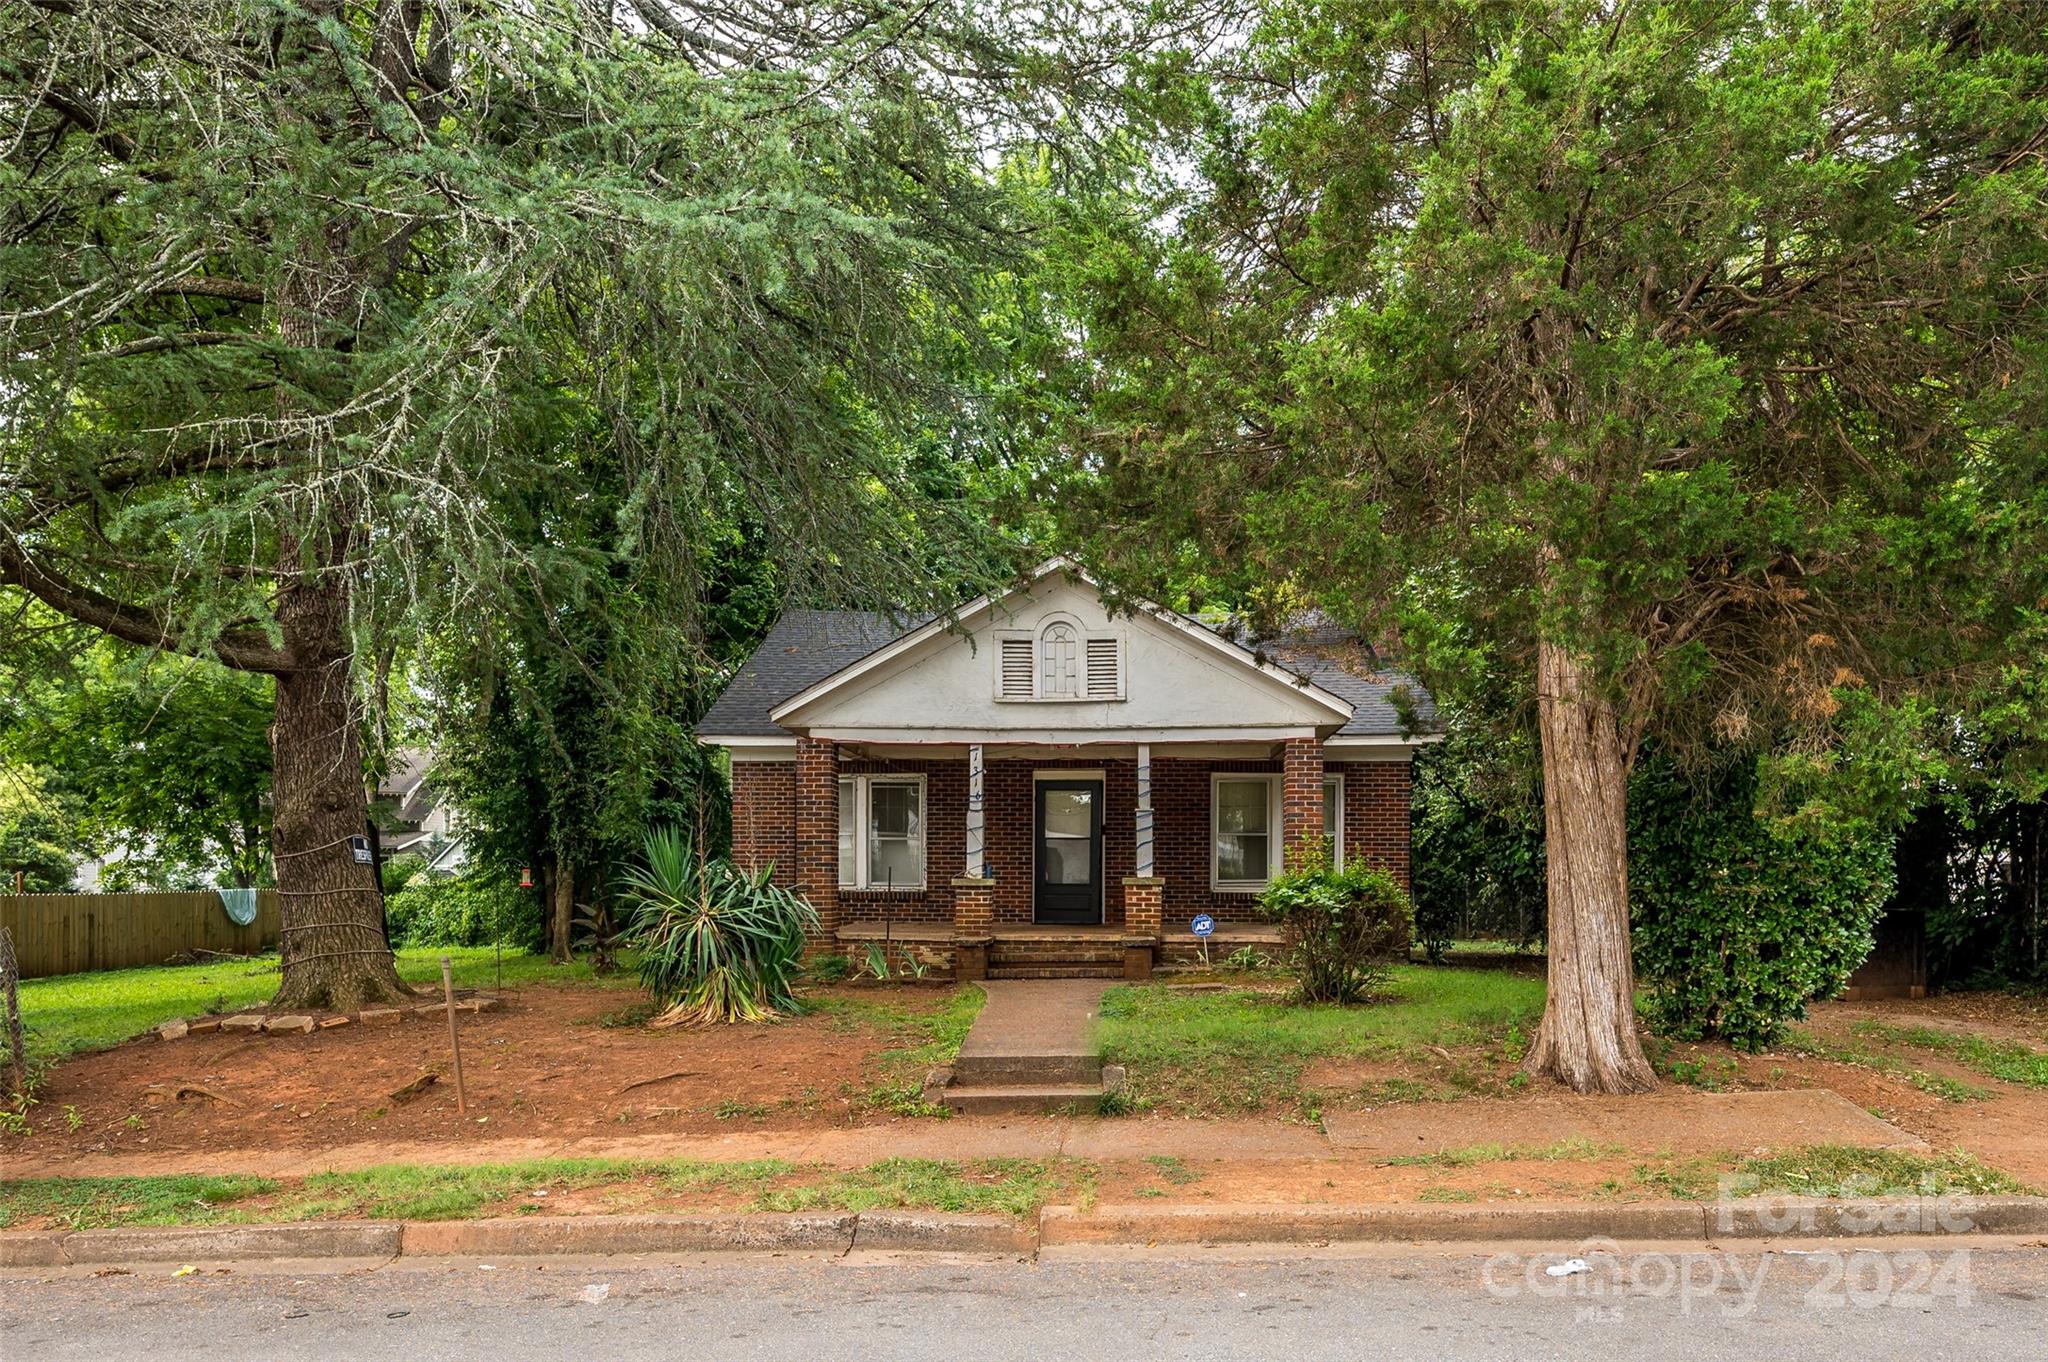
{"x": 1105, "y": 674}
{"x": 1016, "y": 679}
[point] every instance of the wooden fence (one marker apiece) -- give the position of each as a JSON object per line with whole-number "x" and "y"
{"x": 72, "y": 933}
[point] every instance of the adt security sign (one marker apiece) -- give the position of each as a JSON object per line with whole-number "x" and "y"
{"x": 1203, "y": 925}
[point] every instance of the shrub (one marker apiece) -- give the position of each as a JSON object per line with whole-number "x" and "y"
{"x": 1739, "y": 918}
{"x": 466, "y": 910}
{"x": 717, "y": 943}
{"x": 1343, "y": 928}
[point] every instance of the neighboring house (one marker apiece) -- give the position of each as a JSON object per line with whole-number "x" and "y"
{"x": 412, "y": 820}
{"x": 1039, "y": 788}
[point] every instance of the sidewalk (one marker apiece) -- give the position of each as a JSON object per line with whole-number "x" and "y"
{"x": 1672, "y": 1122}
{"x": 1016, "y": 1137}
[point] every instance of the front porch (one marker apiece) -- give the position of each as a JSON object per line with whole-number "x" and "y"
{"x": 1076, "y": 862}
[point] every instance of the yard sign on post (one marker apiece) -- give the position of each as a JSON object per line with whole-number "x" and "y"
{"x": 1203, "y": 927}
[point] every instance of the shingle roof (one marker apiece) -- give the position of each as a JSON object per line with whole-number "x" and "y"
{"x": 806, "y": 646}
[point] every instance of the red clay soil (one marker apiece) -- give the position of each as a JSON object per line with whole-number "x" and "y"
{"x": 542, "y": 1066}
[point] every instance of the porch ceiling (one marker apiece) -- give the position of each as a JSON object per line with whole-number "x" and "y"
{"x": 1026, "y": 751}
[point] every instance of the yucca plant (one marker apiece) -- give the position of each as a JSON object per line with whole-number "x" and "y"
{"x": 717, "y": 943}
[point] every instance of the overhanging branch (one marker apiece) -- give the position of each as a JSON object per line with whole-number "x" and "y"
{"x": 244, "y": 650}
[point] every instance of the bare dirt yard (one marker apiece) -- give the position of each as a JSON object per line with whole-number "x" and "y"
{"x": 555, "y": 1061}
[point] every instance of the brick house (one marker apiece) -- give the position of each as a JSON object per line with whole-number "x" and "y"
{"x": 1041, "y": 787}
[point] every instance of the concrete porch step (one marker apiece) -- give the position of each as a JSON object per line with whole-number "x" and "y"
{"x": 1024, "y": 1099}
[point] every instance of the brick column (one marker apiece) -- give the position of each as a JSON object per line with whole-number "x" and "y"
{"x": 974, "y": 915}
{"x": 1301, "y": 797}
{"x": 1144, "y": 920}
{"x": 817, "y": 836}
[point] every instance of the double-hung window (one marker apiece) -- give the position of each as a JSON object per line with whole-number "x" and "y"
{"x": 881, "y": 832}
{"x": 1245, "y": 825}
{"x": 1333, "y": 817}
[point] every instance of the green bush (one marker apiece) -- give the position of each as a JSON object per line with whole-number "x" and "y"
{"x": 1740, "y": 919}
{"x": 467, "y": 910}
{"x": 1343, "y": 928}
{"x": 717, "y": 943}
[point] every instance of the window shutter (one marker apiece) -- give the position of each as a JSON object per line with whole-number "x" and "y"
{"x": 1105, "y": 672}
{"x": 1015, "y": 682}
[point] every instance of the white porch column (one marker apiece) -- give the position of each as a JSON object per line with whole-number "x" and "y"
{"x": 977, "y": 847}
{"x": 1144, "y": 846}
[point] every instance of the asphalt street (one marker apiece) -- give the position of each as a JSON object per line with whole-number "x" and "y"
{"x": 1985, "y": 1306}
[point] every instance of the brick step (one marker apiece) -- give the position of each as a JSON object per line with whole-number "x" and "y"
{"x": 1063, "y": 955}
{"x": 1024, "y": 1099}
{"x": 1093, "y": 970}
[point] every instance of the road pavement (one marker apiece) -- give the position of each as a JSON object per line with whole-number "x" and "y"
{"x": 1931, "y": 1303}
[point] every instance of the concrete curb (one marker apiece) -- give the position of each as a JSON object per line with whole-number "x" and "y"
{"x": 842, "y": 1232}
{"x": 337, "y": 1239}
{"x": 1751, "y": 1218}
{"x": 941, "y": 1232}
{"x": 536, "y": 1236}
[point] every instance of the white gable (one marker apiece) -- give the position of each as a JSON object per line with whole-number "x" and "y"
{"x": 1086, "y": 676}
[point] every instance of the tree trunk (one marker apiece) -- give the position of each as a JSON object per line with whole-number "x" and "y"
{"x": 335, "y": 956}
{"x": 1588, "y": 1035}
{"x": 561, "y": 911}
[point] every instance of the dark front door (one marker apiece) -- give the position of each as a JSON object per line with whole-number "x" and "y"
{"x": 1068, "y": 883}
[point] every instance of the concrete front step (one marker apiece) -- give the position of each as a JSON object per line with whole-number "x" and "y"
{"x": 1009, "y": 1071}
{"x": 1024, "y": 1099}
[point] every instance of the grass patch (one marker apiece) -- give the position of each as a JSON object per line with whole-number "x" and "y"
{"x": 417, "y": 1192}
{"x": 988, "y": 1186}
{"x": 927, "y": 1040}
{"x": 1849, "y": 1171}
{"x": 96, "y": 1203}
{"x": 1457, "y": 1195}
{"x": 1206, "y": 1054}
{"x": 1937, "y": 1085}
{"x": 1467, "y": 1155}
{"x": 2005, "y": 1060}
{"x": 74, "y": 1012}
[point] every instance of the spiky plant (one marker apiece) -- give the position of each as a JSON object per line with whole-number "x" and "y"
{"x": 717, "y": 943}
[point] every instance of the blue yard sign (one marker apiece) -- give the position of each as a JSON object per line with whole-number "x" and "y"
{"x": 1203, "y": 925}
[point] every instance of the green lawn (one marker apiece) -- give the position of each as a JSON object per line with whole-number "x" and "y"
{"x": 1241, "y": 1051}
{"x": 74, "y": 1012}
{"x": 417, "y": 1192}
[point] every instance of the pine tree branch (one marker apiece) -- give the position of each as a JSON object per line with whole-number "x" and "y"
{"x": 243, "y": 650}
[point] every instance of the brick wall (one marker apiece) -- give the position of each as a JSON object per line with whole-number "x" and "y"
{"x": 764, "y": 816}
{"x": 1376, "y": 796}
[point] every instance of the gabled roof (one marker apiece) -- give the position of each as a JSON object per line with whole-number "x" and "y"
{"x": 810, "y": 652}
{"x": 936, "y": 627}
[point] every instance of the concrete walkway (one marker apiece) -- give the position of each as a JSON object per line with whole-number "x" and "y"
{"x": 1034, "y": 1019}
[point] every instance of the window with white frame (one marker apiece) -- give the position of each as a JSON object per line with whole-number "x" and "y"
{"x": 1060, "y": 661}
{"x": 881, "y": 832}
{"x": 1333, "y": 817}
{"x": 1244, "y": 821}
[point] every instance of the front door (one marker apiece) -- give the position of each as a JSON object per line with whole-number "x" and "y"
{"x": 1067, "y": 887}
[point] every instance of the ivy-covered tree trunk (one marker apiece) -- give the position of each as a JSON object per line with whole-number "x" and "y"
{"x": 561, "y": 909}
{"x": 1587, "y": 1038}
{"x": 334, "y": 953}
